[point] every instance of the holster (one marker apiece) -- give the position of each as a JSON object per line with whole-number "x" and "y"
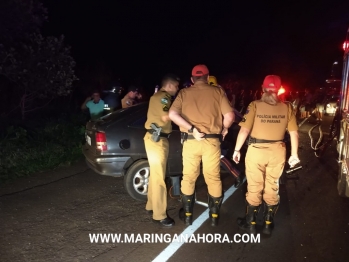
{"x": 155, "y": 137}
{"x": 155, "y": 132}
{"x": 184, "y": 137}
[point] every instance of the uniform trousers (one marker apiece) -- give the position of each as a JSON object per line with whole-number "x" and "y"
{"x": 209, "y": 152}
{"x": 157, "y": 153}
{"x": 264, "y": 165}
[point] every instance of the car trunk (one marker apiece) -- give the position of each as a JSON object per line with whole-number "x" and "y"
{"x": 96, "y": 133}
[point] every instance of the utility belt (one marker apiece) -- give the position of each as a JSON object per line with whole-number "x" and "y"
{"x": 186, "y": 136}
{"x": 151, "y": 131}
{"x": 253, "y": 140}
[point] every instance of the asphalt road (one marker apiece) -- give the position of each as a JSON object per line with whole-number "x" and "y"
{"x": 48, "y": 217}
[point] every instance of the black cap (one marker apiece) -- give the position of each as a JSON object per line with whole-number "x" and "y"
{"x": 133, "y": 89}
{"x": 172, "y": 77}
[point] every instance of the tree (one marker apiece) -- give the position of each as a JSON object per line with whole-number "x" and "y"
{"x": 40, "y": 68}
{"x": 20, "y": 18}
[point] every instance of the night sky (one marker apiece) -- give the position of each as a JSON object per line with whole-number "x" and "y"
{"x": 142, "y": 40}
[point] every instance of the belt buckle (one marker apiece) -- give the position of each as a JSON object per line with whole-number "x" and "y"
{"x": 252, "y": 140}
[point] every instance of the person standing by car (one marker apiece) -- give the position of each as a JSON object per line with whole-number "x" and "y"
{"x": 130, "y": 97}
{"x": 95, "y": 105}
{"x": 157, "y": 148}
{"x": 267, "y": 120}
{"x": 198, "y": 112}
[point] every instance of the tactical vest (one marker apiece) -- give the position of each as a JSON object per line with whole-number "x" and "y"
{"x": 270, "y": 121}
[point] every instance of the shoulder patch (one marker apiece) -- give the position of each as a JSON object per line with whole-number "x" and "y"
{"x": 164, "y": 101}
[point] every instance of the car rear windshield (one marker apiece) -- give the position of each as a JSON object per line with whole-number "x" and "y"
{"x": 125, "y": 112}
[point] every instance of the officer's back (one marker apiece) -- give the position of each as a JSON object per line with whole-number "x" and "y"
{"x": 201, "y": 106}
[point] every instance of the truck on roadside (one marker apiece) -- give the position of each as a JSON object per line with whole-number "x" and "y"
{"x": 341, "y": 120}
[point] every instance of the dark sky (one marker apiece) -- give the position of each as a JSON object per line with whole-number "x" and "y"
{"x": 146, "y": 39}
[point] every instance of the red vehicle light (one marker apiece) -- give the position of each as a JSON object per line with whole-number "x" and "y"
{"x": 281, "y": 91}
{"x": 101, "y": 142}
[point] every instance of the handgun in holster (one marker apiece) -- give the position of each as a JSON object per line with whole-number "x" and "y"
{"x": 184, "y": 137}
{"x": 155, "y": 136}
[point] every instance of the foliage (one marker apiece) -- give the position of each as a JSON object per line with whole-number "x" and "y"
{"x": 20, "y": 18}
{"x": 40, "y": 68}
{"x": 24, "y": 151}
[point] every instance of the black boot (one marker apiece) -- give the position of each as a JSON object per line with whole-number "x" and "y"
{"x": 214, "y": 204}
{"x": 269, "y": 213}
{"x": 249, "y": 222}
{"x": 186, "y": 212}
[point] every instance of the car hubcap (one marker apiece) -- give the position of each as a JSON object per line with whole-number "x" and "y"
{"x": 141, "y": 180}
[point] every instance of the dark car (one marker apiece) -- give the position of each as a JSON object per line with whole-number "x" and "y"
{"x": 114, "y": 147}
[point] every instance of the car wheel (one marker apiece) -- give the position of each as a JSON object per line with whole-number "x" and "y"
{"x": 136, "y": 180}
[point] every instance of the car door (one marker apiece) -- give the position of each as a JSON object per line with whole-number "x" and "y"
{"x": 175, "y": 154}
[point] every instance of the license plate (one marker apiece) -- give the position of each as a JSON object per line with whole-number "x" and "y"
{"x": 88, "y": 140}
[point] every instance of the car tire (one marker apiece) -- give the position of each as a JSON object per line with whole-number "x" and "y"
{"x": 136, "y": 180}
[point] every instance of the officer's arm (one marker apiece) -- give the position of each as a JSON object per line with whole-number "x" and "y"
{"x": 228, "y": 119}
{"x": 243, "y": 134}
{"x": 294, "y": 143}
{"x": 165, "y": 118}
{"x": 179, "y": 120}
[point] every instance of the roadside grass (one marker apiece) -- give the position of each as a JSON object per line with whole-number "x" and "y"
{"x": 45, "y": 145}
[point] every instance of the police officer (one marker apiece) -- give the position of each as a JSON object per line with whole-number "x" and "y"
{"x": 198, "y": 112}
{"x": 266, "y": 120}
{"x": 212, "y": 80}
{"x": 157, "y": 148}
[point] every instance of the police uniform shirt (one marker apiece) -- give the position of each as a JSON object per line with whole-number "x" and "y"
{"x": 159, "y": 105}
{"x": 202, "y": 105}
{"x": 127, "y": 102}
{"x": 269, "y": 122}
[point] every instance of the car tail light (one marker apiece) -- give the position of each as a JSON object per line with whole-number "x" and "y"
{"x": 101, "y": 142}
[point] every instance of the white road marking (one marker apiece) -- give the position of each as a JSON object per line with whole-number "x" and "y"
{"x": 305, "y": 119}
{"x": 174, "y": 246}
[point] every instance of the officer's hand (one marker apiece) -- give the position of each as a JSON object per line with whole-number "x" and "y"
{"x": 224, "y": 132}
{"x": 293, "y": 160}
{"x": 236, "y": 157}
{"x": 197, "y": 135}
